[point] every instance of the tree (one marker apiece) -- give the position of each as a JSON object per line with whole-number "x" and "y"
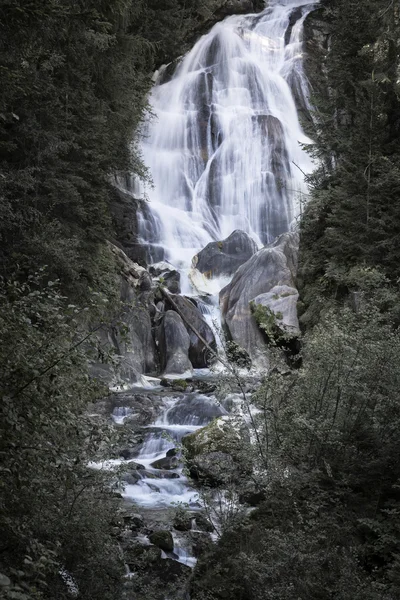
{"x": 56, "y": 512}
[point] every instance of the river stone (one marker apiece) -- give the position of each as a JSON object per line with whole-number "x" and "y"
{"x": 195, "y": 410}
{"x": 174, "y": 345}
{"x": 282, "y": 301}
{"x": 198, "y": 353}
{"x": 162, "y": 539}
{"x": 274, "y": 265}
{"x": 166, "y": 463}
{"x": 226, "y": 256}
{"x": 182, "y": 521}
{"x": 213, "y": 468}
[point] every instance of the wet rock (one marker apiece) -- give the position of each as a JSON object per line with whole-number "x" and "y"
{"x": 129, "y": 453}
{"x": 182, "y": 521}
{"x": 174, "y": 345}
{"x": 226, "y": 256}
{"x": 213, "y": 454}
{"x": 167, "y": 463}
{"x": 172, "y": 281}
{"x": 171, "y": 452}
{"x": 145, "y": 282}
{"x": 213, "y": 468}
{"x": 159, "y": 268}
{"x": 205, "y": 387}
{"x": 131, "y": 478}
{"x": 237, "y": 7}
{"x": 162, "y": 539}
{"x": 164, "y": 474}
{"x": 195, "y": 410}
{"x": 198, "y": 353}
{"x": 4, "y": 581}
{"x": 272, "y": 266}
{"x": 143, "y": 408}
{"x": 178, "y": 385}
{"x": 167, "y": 275}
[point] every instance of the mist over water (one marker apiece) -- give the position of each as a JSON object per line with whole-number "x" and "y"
{"x": 224, "y": 147}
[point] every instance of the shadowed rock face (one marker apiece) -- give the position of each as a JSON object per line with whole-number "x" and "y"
{"x": 174, "y": 344}
{"x": 225, "y": 257}
{"x": 198, "y": 353}
{"x": 274, "y": 265}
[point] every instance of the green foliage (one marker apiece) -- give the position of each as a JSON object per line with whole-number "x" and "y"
{"x": 268, "y": 322}
{"x": 56, "y": 512}
{"x": 74, "y": 85}
{"x": 352, "y": 220}
{"x": 325, "y": 442}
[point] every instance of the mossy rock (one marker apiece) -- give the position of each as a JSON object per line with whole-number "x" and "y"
{"x": 162, "y": 539}
{"x": 223, "y": 434}
{"x": 182, "y": 521}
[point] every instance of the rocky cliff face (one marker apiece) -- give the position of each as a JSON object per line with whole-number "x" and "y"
{"x": 275, "y": 265}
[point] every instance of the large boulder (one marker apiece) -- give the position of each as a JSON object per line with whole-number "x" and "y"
{"x": 194, "y": 410}
{"x": 198, "y": 353}
{"x": 226, "y": 256}
{"x": 274, "y": 265}
{"x": 281, "y": 304}
{"x": 214, "y": 468}
{"x": 214, "y": 453}
{"x": 168, "y": 275}
{"x": 174, "y": 345}
{"x": 162, "y": 539}
{"x": 224, "y": 434}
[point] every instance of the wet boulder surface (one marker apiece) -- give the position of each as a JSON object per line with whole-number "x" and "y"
{"x": 226, "y": 256}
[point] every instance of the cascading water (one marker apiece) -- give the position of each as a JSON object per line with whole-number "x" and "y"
{"x": 224, "y": 147}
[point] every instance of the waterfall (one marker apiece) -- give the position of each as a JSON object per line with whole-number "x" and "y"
{"x": 224, "y": 144}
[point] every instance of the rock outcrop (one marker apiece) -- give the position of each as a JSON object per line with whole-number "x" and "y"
{"x": 226, "y": 256}
{"x": 174, "y": 345}
{"x": 127, "y": 351}
{"x": 213, "y": 453}
{"x": 274, "y": 265}
{"x": 198, "y": 352}
{"x": 282, "y": 302}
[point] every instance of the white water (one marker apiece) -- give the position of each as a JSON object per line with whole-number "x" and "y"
{"x": 166, "y": 433}
{"x": 224, "y": 146}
